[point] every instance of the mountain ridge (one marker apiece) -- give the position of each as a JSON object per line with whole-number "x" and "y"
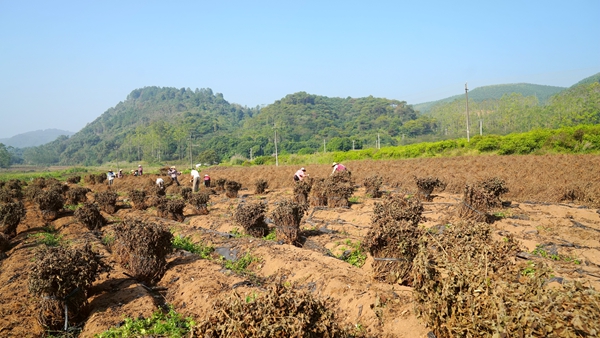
{"x": 34, "y": 138}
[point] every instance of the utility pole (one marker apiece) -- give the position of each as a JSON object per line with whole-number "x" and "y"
{"x": 250, "y": 154}
{"x": 324, "y": 148}
{"x": 191, "y": 164}
{"x": 467, "y": 96}
{"x": 352, "y": 144}
{"x": 480, "y": 127}
{"x": 276, "y": 158}
{"x": 378, "y": 142}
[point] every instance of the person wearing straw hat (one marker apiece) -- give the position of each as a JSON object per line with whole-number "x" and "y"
{"x": 140, "y": 170}
{"x": 300, "y": 174}
{"x": 337, "y": 167}
{"x": 173, "y": 173}
{"x": 206, "y": 181}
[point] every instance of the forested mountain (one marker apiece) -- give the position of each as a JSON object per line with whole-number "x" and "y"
{"x": 34, "y": 138}
{"x": 157, "y": 124}
{"x": 153, "y": 123}
{"x": 541, "y": 92}
{"x": 588, "y": 80}
{"x": 518, "y": 113}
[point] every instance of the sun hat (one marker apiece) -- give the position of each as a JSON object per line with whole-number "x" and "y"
{"x": 205, "y": 175}
{"x": 302, "y": 169}
{"x": 334, "y": 164}
{"x": 139, "y": 165}
{"x": 172, "y": 167}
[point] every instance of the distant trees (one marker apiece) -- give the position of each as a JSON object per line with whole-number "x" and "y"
{"x": 159, "y": 124}
{"x": 4, "y": 156}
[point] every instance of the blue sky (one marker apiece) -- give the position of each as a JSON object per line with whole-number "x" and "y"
{"x": 64, "y": 63}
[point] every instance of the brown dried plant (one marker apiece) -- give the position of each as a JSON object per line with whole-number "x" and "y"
{"x": 141, "y": 248}
{"x": 251, "y": 217}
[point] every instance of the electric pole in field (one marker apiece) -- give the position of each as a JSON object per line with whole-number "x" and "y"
{"x": 276, "y": 158}
{"x": 324, "y": 148}
{"x": 467, "y": 96}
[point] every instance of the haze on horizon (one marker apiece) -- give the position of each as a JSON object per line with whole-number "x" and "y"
{"x": 65, "y": 63}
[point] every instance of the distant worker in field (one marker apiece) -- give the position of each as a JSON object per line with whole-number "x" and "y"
{"x": 195, "y": 180}
{"x": 140, "y": 170}
{"x": 160, "y": 183}
{"x": 300, "y": 174}
{"x": 337, "y": 167}
{"x": 173, "y": 173}
{"x": 111, "y": 176}
{"x": 120, "y": 173}
{"x": 206, "y": 181}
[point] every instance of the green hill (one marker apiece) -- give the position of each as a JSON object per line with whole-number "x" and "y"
{"x": 588, "y": 80}
{"x": 541, "y": 92}
{"x": 162, "y": 125}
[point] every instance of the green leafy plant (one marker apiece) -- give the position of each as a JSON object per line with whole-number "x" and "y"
{"x": 354, "y": 200}
{"x": 108, "y": 239}
{"x": 356, "y": 257}
{"x": 240, "y": 265}
{"x": 48, "y": 238}
{"x": 185, "y": 243}
{"x": 271, "y": 236}
{"x": 160, "y": 324}
{"x": 72, "y": 207}
{"x": 529, "y": 271}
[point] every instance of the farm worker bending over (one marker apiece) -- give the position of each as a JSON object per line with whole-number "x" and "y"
{"x": 195, "y": 180}
{"x": 120, "y": 174}
{"x": 300, "y": 174}
{"x": 337, "y": 167}
{"x": 207, "y": 181}
{"x": 173, "y": 173}
{"x": 160, "y": 183}
{"x": 111, "y": 176}
{"x": 140, "y": 170}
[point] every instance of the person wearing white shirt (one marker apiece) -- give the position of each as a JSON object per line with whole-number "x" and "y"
{"x": 195, "y": 180}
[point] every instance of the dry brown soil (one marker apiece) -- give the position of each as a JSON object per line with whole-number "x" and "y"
{"x": 538, "y": 214}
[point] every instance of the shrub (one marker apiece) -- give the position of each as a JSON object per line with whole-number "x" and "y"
{"x": 141, "y": 248}
{"x": 77, "y": 195}
{"x": 372, "y": 185}
{"x": 260, "y": 186}
{"x": 301, "y": 191}
{"x": 175, "y": 209}
{"x": 426, "y": 185}
{"x": 287, "y": 216}
{"x": 90, "y": 216}
{"x": 73, "y": 179}
{"x": 279, "y": 312}
{"x": 232, "y": 188}
{"x": 393, "y": 238}
{"x": 138, "y": 198}
{"x": 11, "y": 215}
{"x": 251, "y": 217}
{"x": 107, "y": 201}
{"x": 338, "y": 188}
{"x": 199, "y": 201}
{"x": 61, "y": 277}
{"x": 186, "y": 193}
{"x": 50, "y": 202}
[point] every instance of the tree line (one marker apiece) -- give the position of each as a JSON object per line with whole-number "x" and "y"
{"x": 157, "y": 124}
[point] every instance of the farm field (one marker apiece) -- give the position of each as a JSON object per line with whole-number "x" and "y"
{"x": 550, "y": 213}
